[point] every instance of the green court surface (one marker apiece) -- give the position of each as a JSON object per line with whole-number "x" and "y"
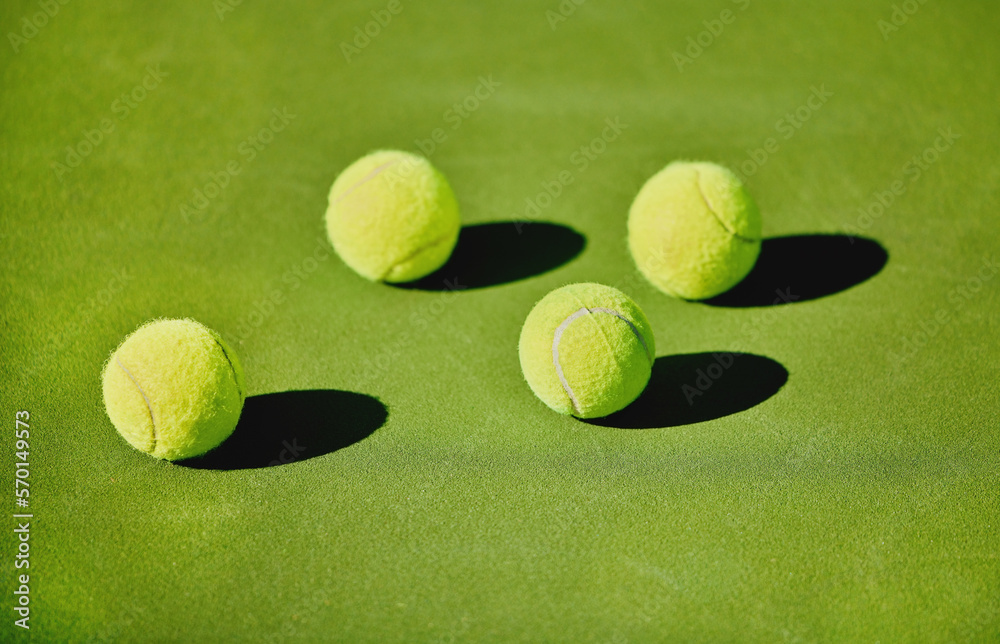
{"x": 816, "y": 457}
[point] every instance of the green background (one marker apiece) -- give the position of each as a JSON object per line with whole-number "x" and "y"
{"x": 857, "y": 502}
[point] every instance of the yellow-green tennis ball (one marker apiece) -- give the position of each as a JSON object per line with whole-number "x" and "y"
{"x": 174, "y": 389}
{"x": 392, "y": 217}
{"x": 694, "y": 231}
{"x": 587, "y": 350}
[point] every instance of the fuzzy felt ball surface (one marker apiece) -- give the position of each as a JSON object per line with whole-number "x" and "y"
{"x": 392, "y": 217}
{"x": 587, "y": 350}
{"x": 694, "y": 231}
{"x": 174, "y": 389}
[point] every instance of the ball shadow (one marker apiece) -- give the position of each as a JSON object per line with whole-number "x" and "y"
{"x": 280, "y": 428}
{"x": 697, "y": 387}
{"x": 805, "y": 267}
{"x": 502, "y": 252}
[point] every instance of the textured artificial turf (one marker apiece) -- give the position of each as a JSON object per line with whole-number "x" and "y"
{"x": 817, "y": 456}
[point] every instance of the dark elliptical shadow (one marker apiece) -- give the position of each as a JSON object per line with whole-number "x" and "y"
{"x": 805, "y": 267}
{"x": 696, "y": 387}
{"x": 280, "y": 428}
{"x": 502, "y": 252}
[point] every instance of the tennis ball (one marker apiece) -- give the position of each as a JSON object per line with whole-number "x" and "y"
{"x": 392, "y": 217}
{"x": 694, "y": 231}
{"x": 587, "y": 350}
{"x": 174, "y": 389}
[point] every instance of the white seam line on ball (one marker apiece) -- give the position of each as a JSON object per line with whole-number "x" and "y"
{"x": 144, "y": 397}
{"x": 557, "y": 336}
{"x": 555, "y": 357}
{"x": 371, "y": 175}
{"x": 413, "y": 255}
{"x": 697, "y": 180}
{"x": 232, "y": 368}
{"x": 638, "y": 335}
